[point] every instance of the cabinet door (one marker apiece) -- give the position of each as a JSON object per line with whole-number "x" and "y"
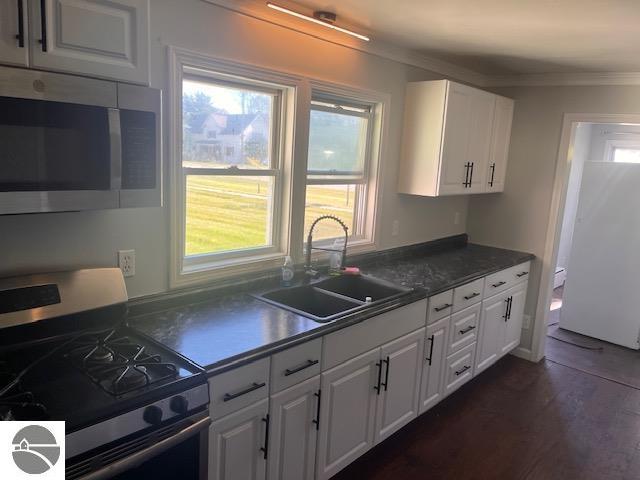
{"x": 347, "y": 412}
{"x": 455, "y": 139}
{"x": 398, "y": 403}
{"x": 433, "y": 369}
{"x": 500, "y": 139}
{"x": 513, "y": 326}
{"x": 293, "y": 433}
{"x": 481, "y": 127}
{"x": 12, "y": 50}
{"x": 491, "y": 336}
{"x": 103, "y": 38}
{"x": 236, "y": 444}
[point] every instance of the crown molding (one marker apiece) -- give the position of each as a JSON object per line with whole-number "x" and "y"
{"x": 563, "y": 79}
{"x": 257, "y": 9}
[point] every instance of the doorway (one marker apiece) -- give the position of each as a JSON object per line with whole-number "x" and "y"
{"x": 591, "y": 322}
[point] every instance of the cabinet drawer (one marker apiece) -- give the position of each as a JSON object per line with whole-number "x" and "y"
{"x": 464, "y": 328}
{"x": 238, "y": 388}
{"x": 295, "y": 365}
{"x": 371, "y": 333}
{"x": 459, "y": 368}
{"x": 505, "y": 279}
{"x": 520, "y": 273}
{"x": 440, "y": 306}
{"x": 468, "y": 295}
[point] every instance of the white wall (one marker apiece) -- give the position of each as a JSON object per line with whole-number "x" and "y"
{"x": 518, "y": 218}
{"x": 72, "y": 240}
{"x": 581, "y": 151}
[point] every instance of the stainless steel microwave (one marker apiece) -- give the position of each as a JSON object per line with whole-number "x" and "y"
{"x": 73, "y": 143}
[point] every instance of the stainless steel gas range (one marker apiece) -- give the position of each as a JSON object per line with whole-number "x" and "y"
{"x": 133, "y": 408}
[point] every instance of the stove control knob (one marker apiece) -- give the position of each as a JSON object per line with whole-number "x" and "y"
{"x": 152, "y": 415}
{"x": 179, "y": 404}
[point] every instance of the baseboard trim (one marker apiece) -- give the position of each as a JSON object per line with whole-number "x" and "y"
{"x": 523, "y": 353}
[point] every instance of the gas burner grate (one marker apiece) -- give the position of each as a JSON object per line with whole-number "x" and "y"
{"x": 18, "y": 404}
{"x": 118, "y": 364}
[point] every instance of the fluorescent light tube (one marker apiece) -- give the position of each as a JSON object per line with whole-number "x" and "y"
{"x": 316, "y": 21}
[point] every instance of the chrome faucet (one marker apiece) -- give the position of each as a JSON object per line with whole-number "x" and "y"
{"x": 308, "y": 270}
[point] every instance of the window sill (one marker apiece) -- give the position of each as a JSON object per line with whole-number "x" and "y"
{"x": 221, "y": 269}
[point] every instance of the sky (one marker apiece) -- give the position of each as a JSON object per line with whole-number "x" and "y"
{"x": 226, "y": 98}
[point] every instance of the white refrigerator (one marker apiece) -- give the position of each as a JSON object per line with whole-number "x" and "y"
{"x": 602, "y": 291}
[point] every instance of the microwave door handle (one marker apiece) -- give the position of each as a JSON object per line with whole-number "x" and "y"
{"x": 115, "y": 144}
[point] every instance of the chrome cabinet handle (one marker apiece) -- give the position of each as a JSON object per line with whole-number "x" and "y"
{"x": 309, "y": 363}
{"x": 473, "y": 295}
{"x": 499, "y": 284}
{"x": 254, "y": 386}
{"x": 467, "y": 330}
{"x": 443, "y": 307}
{"x": 462, "y": 370}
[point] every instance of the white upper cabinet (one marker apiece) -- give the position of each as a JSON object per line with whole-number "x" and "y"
{"x": 97, "y": 38}
{"x": 451, "y": 137}
{"x": 13, "y": 32}
{"x": 500, "y": 139}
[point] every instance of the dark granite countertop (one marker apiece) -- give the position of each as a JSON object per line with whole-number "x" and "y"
{"x": 233, "y": 329}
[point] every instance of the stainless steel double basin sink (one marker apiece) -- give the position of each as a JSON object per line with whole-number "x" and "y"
{"x": 335, "y": 297}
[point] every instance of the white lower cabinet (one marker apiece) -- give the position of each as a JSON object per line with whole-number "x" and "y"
{"x": 513, "y": 325}
{"x": 237, "y": 444}
{"x": 398, "y": 402}
{"x": 293, "y": 431}
{"x": 500, "y": 325}
{"x": 347, "y": 412}
{"x": 366, "y": 399}
{"x": 436, "y": 345}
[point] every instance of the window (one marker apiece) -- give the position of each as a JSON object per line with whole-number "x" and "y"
{"x": 340, "y": 137}
{"x": 232, "y": 200}
{"x": 626, "y": 155}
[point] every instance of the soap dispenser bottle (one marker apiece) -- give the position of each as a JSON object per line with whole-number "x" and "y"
{"x": 287, "y": 272}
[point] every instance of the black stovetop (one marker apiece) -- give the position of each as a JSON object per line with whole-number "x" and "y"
{"x": 85, "y": 377}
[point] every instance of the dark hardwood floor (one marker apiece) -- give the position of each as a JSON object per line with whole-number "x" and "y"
{"x": 518, "y": 420}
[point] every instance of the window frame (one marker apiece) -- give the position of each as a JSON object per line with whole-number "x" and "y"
{"x": 611, "y": 145}
{"x": 274, "y": 171}
{"x": 364, "y": 235}
{"x": 194, "y": 269}
{"x": 295, "y": 115}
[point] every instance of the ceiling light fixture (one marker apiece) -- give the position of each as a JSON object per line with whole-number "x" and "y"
{"x": 325, "y": 19}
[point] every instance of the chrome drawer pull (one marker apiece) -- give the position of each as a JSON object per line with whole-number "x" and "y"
{"x": 473, "y": 295}
{"x": 521, "y": 274}
{"x": 462, "y": 370}
{"x": 254, "y": 386}
{"x": 467, "y": 330}
{"x": 291, "y": 371}
{"x": 443, "y": 307}
{"x": 499, "y": 284}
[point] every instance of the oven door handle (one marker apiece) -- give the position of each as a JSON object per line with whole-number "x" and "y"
{"x": 138, "y": 458}
{"x": 115, "y": 146}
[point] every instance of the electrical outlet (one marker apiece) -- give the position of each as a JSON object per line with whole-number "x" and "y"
{"x": 127, "y": 262}
{"x": 395, "y": 228}
{"x": 526, "y": 322}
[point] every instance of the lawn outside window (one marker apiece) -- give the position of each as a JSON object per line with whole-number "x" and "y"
{"x": 341, "y": 133}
